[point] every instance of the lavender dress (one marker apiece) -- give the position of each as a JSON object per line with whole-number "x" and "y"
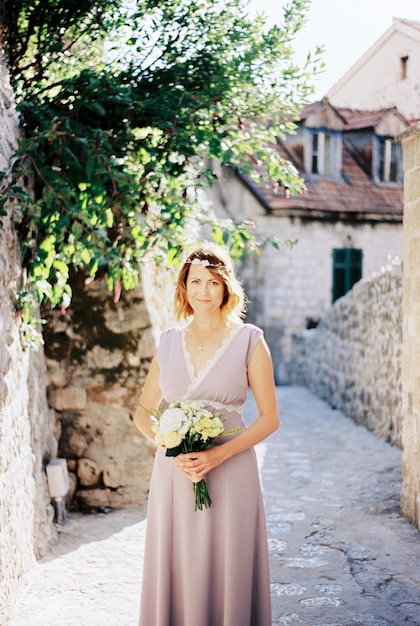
{"x": 209, "y": 567}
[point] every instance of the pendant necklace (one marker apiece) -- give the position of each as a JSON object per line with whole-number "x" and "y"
{"x": 200, "y": 347}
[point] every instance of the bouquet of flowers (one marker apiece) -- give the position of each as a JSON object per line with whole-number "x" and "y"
{"x": 189, "y": 427}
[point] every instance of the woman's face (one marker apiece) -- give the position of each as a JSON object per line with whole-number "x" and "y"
{"x": 205, "y": 291}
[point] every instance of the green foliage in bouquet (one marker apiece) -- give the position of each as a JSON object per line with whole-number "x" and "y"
{"x": 190, "y": 426}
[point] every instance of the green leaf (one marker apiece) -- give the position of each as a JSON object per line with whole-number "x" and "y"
{"x": 119, "y": 146}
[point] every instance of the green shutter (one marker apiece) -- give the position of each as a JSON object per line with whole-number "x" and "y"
{"x": 347, "y": 270}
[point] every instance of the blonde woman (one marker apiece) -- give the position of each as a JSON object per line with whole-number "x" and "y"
{"x": 209, "y": 567}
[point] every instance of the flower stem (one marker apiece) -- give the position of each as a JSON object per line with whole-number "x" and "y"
{"x": 201, "y": 496}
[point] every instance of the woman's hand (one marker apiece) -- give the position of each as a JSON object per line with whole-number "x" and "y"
{"x": 198, "y": 464}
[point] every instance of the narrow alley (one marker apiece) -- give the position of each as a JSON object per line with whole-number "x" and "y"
{"x": 341, "y": 553}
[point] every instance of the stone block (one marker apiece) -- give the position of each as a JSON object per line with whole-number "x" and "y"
{"x": 89, "y": 499}
{"x": 112, "y": 476}
{"x": 58, "y": 375}
{"x": 100, "y": 358}
{"x": 412, "y": 185}
{"x": 415, "y": 291}
{"x": 88, "y": 473}
{"x": 411, "y": 217}
{"x": 124, "y": 319}
{"x": 68, "y": 398}
{"x": 76, "y": 445}
{"x": 412, "y": 256}
{"x": 72, "y": 489}
{"x": 147, "y": 345}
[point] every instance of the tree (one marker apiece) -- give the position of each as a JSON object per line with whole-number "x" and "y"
{"x": 122, "y": 105}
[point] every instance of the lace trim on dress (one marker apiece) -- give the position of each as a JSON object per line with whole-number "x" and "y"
{"x": 218, "y": 406}
{"x": 196, "y": 378}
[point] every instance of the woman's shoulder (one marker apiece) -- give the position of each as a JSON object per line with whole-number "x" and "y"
{"x": 172, "y": 330}
{"x": 169, "y": 339}
{"x": 249, "y": 334}
{"x": 252, "y": 329}
{"x": 173, "y": 333}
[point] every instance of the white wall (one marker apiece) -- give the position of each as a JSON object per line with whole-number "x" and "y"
{"x": 377, "y": 83}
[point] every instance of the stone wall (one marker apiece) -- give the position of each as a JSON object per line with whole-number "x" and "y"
{"x": 26, "y": 427}
{"x": 352, "y": 360}
{"x": 410, "y": 495}
{"x": 98, "y": 355}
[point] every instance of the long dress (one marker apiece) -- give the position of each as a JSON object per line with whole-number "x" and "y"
{"x": 209, "y": 567}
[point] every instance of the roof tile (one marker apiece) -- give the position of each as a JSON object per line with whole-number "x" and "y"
{"x": 356, "y": 196}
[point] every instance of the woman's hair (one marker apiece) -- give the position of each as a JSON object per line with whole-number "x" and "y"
{"x": 215, "y": 259}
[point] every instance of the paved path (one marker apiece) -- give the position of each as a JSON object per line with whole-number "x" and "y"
{"x": 341, "y": 553}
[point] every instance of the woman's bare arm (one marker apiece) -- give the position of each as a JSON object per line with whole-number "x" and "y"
{"x": 149, "y": 401}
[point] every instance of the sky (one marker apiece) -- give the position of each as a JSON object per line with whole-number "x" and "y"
{"x": 345, "y": 28}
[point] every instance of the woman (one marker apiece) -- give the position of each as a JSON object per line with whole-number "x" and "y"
{"x": 209, "y": 567}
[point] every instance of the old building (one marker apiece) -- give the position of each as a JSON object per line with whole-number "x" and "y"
{"x": 387, "y": 75}
{"x": 348, "y": 222}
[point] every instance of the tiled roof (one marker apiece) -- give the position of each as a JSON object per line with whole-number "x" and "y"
{"x": 353, "y": 118}
{"x": 318, "y": 104}
{"x": 355, "y": 197}
{"x": 363, "y": 119}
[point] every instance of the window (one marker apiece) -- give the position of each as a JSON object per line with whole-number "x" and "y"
{"x": 347, "y": 270}
{"x": 314, "y": 168}
{"x": 403, "y": 67}
{"x": 322, "y": 154}
{"x": 389, "y": 156}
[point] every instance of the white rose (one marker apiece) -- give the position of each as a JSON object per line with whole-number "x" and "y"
{"x": 172, "y": 440}
{"x": 171, "y": 419}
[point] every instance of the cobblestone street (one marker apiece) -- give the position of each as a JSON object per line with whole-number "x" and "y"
{"x": 341, "y": 553}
